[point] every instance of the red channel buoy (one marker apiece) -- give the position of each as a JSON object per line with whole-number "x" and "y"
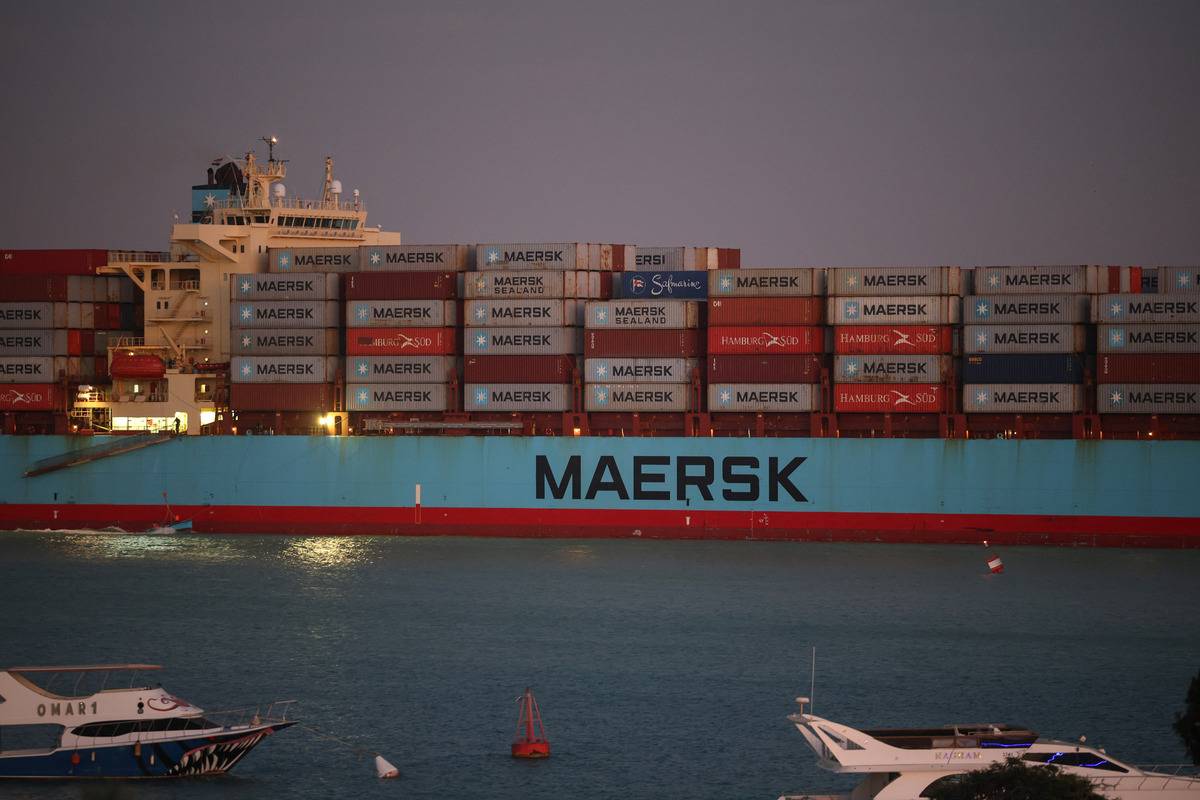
{"x": 531, "y": 736}
{"x": 994, "y": 563}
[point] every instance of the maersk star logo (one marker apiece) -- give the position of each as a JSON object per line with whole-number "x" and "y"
{"x": 851, "y": 281}
{"x": 480, "y": 313}
{"x": 246, "y": 341}
{"x": 480, "y": 284}
{"x": 726, "y": 283}
{"x": 602, "y": 370}
{"x": 481, "y": 341}
{"x": 981, "y": 339}
{"x": 601, "y": 315}
{"x": 981, "y": 398}
{"x": 601, "y": 395}
{"x": 1183, "y": 280}
{"x": 492, "y": 255}
{"x": 850, "y": 309}
{"x": 725, "y": 397}
{"x": 983, "y": 308}
{"x": 210, "y": 200}
{"x": 247, "y": 313}
{"x": 363, "y": 312}
{"x": 363, "y": 396}
{"x": 481, "y": 396}
{"x": 375, "y": 257}
{"x": 1115, "y": 398}
{"x": 246, "y": 369}
{"x": 246, "y": 285}
{"x": 851, "y": 367}
{"x": 1115, "y": 309}
{"x": 362, "y": 368}
{"x": 284, "y": 261}
{"x": 1116, "y": 337}
{"x": 994, "y": 280}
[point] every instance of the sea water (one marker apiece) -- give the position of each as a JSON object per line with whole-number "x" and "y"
{"x": 663, "y": 669}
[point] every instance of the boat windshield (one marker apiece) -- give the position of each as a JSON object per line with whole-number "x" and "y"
{"x": 85, "y": 681}
{"x": 126, "y": 727}
{"x": 970, "y": 736}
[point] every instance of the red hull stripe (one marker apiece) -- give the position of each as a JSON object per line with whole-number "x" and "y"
{"x": 1004, "y": 529}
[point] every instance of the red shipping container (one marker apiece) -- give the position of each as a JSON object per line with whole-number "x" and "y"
{"x": 112, "y": 316}
{"x": 1148, "y": 368}
{"x": 644, "y": 343}
{"x": 99, "y": 315}
{"x": 30, "y": 397}
{"x": 52, "y": 262}
{"x": 401, "y": 341}
{"x": 900, "y": 398}
{"x": 74, "y": 343}
{"x": 764, "y": 369}
{"x": 766, "y": 311}
{"x": 878, "y": 340}
{"x": 87, "y": 343}
{"x": 766, "y": 339}
{"x": 33, "y": 288}
{"x": 729, "y": 258}
{"x": 281, "y": 397}
{"x": 401, "y": 286}
{"x": 518, "y": 369}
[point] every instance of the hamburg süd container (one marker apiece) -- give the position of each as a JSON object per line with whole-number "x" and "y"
{"x": 644, "y": 343}
{"x": 514, "y": 341}
{"x": 533, "y": 313}
{"x": 30, "y": 396}
{"x": 768, "y": 397}
{"x": 401, "y": 285}
{"x": 313, "y": 259}
{"x": 401, "y": 313}
{"x": 892, "y": 310}
{"x": 898, "y": 339}
{"x": 1025, "y": 338}
{"x": 1022, "y": 398}
{"x": 891, "y": 369}
{"x": 883, "y": 281}
{"x": 1022, "y": 368}
{"x": 519, "y": 369}
{"x": 638, "y": 397}
{"x": 642, "y": 314}
{"x": 284, "y": 369}
{"x": 1148, "y": 368}
{"x": 316, "y": 397}
{"x": 738, "y": 311}
{"x": 401, "y": 341}
{"x": 640, "y": 370}
{"x": 35, "y": 315}
{"x": 766, "y": 339}
{"x": 285, "y": 314}
{"x": 781, "y": 282}
{"x": 1031, "y": 280}
{"x": 273, "y": 286}
{"x": 752, "y": 368}
{"x": 27, "y": 369}
{"x": 286, "y": 342}
{"x": 879, "y": 398}
{"x": 400, "y": 369}
{"x": 1049, "y": 309}
{"x": 517, "y": 397}
{"x": 1146, "y": 308}
{"x": 417, "y": 257}
{"x": 675, "y": 285}
{"x": 397, "y": 397}
{"x": 33, "y": 342}
{"x": 1142, "y": 398}
{"x": 1147, "y": 338}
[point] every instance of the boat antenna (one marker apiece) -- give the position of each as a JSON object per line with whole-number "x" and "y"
{"x": 271, "y": 142}
{"x": 812, "y": 680}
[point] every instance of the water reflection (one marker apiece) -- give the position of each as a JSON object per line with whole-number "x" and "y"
{"x": 110, "y": 545}
{"x": 577, "y": 554}
{"x": 329, "y": 552}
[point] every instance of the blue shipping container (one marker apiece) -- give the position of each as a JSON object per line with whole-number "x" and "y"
{"x": 676, "y": 285}
{"x": 1023, "y": 368}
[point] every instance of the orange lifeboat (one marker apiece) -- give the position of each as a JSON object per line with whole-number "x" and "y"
{"x": 531, "y": 736}
{"x": 147, "y": 367}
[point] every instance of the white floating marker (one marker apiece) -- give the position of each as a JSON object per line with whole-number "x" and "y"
{"x": 385, "y": 768}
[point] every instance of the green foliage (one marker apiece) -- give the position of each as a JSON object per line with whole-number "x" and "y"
{"x": 1012, "y": 779}
{"x": 1187, "y": 724}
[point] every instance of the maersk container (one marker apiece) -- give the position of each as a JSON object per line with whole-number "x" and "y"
{"x": 1148, "y": 368}
{"x": 640, "y": 370}
{"x": 401, "y": 313}
{"x": 1178, "y": 280}
{"x": 767, "y": 397}
{"x": 739, "y": 311}
{"x": 401, "y": 341}
{"x": 284, "y": 369}
{"x": 285, "y": 314}
{"x": 517, "y": 284}
{"x": 766, "y": 339}
{"x": 764, "y": 369}
{"x": 271, "y": 286}
{"x": 1022, "y": 368}
{"x": 401, "y": 285}
{"x": 686, "y": 258}
{"x": 315, "y": 397}
{"x": 1142, "y": 398}
{"x": 898, "y": 310}
{"x": 882, "y": 398}
{"x": 887, "y": 281}
{"x": 785, "y": 282}
{"x": 1148, "y": 339}
{"x": 891, "y": 369}
{"x": 1049, "y": 309}
{"x": 644, "y": 343}
{"x": 33, "y": 342}
{"x": 33, "y": 315}
{"x": 535, "y": 313}
{"x": 1123, "y": 280}
{"x": 31, "y": 397}
{"x": 313, "y": 259}
{"x": 644, "y": 398}
{"x": 401, "y": 369}
{"x": 517, "y": 397}
{"x": 1148, "y": 308}
{"x": 522, "y": 255}
{"x": 898, "y": 339}
{"x": 397, "y": 397}
{"x": 1025, "y": 338}
{"x": 417, "y": 257}
{"x": 513, "y": 341}
{"x": 1031, "y": 280}
{"x": 27, "y": 369}
{"x": 286, "y": 342}
{"x": 1022, "y": 398}
{"x": 642, "y": 314}
{"x": 673, "y": 285}
{"x": 519, "y": 369}
{"x": 33, "y": 288}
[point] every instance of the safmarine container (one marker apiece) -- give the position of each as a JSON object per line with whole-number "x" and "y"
{"x": 642, "y": 314}
{"x": 1146, "y": 308}
{"x": 400, "y": 369}
{"x": 1031, "y": 280}
{"x": 313, "y": 259}
{"x": 878, "y": 398}
{"x": 34, "y": 315}
{"x": 686, "y": 258}
{"x": 782, "y": 282}
{"x": 752, "y": 368}
{"x": 30, "y": 397}
{"x": 675, "y": 285}
{"x": 401, "y": 341}
{"x": 27, "y": 369}
{"x": 268, "y": 286}
{"x": 1049, "y": 309}
{"x": 315, "y": 397}
{"x": 397, "y": 397}
{"x": 511, "y": 341}
{"x": 286, "y": 342}
{"x": 401, "y": 286}
{"x": 519, "y": 369}
{"x": 766, "y": 339}
{"x": 1141, "y": 398}
{"x": 1025, "y": 338}
{"x": 1148, "y": 368}
{"x": 768, "y": 397}
{"x": 902, "y": 281}
{"x": 726, "y": 312}
{"x": 644, "y": 398}
{"x": 900, "y": 339}
{"x": 284, "y": 369}
{"x": 1176, "y": 280}
{"x": 524, "y": 255}
{"x": 417, "y": 257}
{"x": 533, "y": 313}
{"x": 285, "y": 314}
{"x": 891, "y": 369}
{"x": 44, "y": 342}
{"x": 1022, "y": 368}
{"x": 1022, "y": 398}
{"x": 647, "y": 343}
{"x": 640, "y": 370}
{"x": 898, "y": 310}
{"x": 1148, "y": 338}
{"x": 517, "y": 397}
{"x": 401, "y": 313}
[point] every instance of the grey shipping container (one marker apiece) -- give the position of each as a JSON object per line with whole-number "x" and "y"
{"x": 1147, "y": 338}
{"x": 397, "y": 397}
{"x": 272, "y": 286}
{"x": 521, "y": 255}
{"x": 1031, "y": 280}
{"x": 1178, "y": 280}
{"x": 285, "y": 314}
{"x": 112, "y": 288}
{"x": 774, "y": 397}
{"x": 1148, "y": 308}
{"x": 34, "y": 315}
{"x": 796, "y": 282}
{"x": 33, "y": 342}
{"x": 522, "y": 341}
{"x": 640, "y": 370}
{"x": 534, "y": 313}
{"x": 891, "y": 369}
{"x": 400, "y": 369}
{"x": 284, "y": 369}
{"x": 532, "y": 284}
{"x": 313, "y": 259}
{"x": 1024, "y": 338}
{"x": 638, "y": 397}
{"x": 81, "y": 289}
{"x": 898, "y": 310}
{"x": 887, "y": 281}
{"x": 28, "y": 369}
{"x": 74, "y": 315}
{"x": 1022, "y": 398}
{"x": 401, "y": 313}
{"x": 517, "y": 397}
{"x": 286, "y": 342}
{"x": 1147, "y": 398}
{"x": 673, "y": 314}
{"x": 417, "y": 257}
{"x": 1016, "y": 310}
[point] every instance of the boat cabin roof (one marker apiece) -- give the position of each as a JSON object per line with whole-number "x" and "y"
{"x": 973, "y": 735}
{"x": 87, "y": 668}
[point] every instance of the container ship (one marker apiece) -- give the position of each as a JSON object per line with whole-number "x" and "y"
{"x": 285, "y": 367}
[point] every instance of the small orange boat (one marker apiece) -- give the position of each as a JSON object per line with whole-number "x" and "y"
{"x": 531, "y": 739}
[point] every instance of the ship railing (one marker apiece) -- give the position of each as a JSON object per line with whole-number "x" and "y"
{"x": 251, "y": 716}
{"x": 137, "y": 256}
{"x": 1182, "y": 776}
{"x": 298, "y": 203}
{"x": 129, "y": 341}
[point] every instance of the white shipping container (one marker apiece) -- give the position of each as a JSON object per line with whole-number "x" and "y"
{"x": 75, "y": 315}
{"x": 286, "y": 342}
{"x": 284, "y": 369}
{"x": 531, "y": 313}
{"x": 1022, "y": 398}
{"x": 400, "y": 369}
{"x": 1147, "y": 308}
{"x": 520, "y": 284}
{"x": 517, "y": 397}
{"x": 313, "y": 259}
{"x": 81, "y": 289}
{"x": 1179, "y": 280}
{"x": 773, "y": 397}
{"x": 27, "y": 369}
{"x": 552, "y": 255}
{"x": 783, "y": 282}
{"x": 87, "y": 316}
{"x": 285, "y": 314}
{"x": 1148, "y": 398}
{"x": 899, "y": 310}
{"x": 35, "y": 315}
{"x": 1025, "y": 338}
{"x": 417, "y": 257}
{"x": 274, "y": 286}
{"x": 892, "y": 368}
{"x": 1031, "y": 280}
{"x": 903, "y": 281}
{"x": 667, "y": 258}
{"x": 514, "y": 341}
{"x": 1047, "y": 309}
{"x": 401, "y": 313}
{"x": 640, "y": 370}
{"x": 397, "y": 397}
{"x": 609, "y": 257}
{"x": 638, "y": 397}
{"x": 675, "y": 314}
{"x": 1148, "y": 338}
{"x": 33, "y": 342}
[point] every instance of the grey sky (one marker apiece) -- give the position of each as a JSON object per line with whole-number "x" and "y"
{"x": 803, "y": 132}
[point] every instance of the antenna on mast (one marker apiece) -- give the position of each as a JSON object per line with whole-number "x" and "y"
{"x": 271, "y": 142}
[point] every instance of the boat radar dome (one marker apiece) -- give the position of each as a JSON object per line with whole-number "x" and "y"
{"x": 335, "y": 187}
{"x": 279, "y": 190}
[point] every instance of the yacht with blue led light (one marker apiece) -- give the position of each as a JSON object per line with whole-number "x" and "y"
{"x": 902, "y": 763}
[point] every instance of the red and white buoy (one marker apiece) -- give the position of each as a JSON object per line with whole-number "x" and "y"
{"x": 531, "y": 739}
{"x": 994, "y": 563}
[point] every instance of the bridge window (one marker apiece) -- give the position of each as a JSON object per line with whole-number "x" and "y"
{"x": 310, "y": 222}
{"x": 185, "y": 279}
{"x": 1089, "y": 760}
{"x": 126, "y": 727}
{"x": 326, "y": 222}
